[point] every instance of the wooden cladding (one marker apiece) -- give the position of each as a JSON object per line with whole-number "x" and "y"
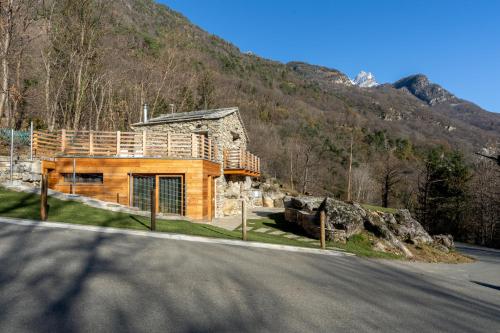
{"x": 236, "y": 160}
{"x": 124, "y": 178}
{"x": 123, "y": 144}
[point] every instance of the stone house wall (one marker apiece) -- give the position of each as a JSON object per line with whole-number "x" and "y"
{"x": 228, "y": 132}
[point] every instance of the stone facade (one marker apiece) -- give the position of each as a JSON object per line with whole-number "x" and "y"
{"x": 23, "y": 170}
{"x": 228, "y": 132}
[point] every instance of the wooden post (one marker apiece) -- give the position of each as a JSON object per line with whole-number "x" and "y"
{"x": 322, "y": 218}
{"x": 43, "y": 197}
{"x": 118, "y": 143}
{"x": 209, "y": 149}
{"x": 240, "y": 159}
{"x": 169, "y": 144}
{"x": 201, "y": 146}
{"x": 63, "y": 140}
{"x": 243, "y": 219}
{"x": 91, "y": 143}
{"x": 153, "y": 210}
{"x": 193, "y": 145}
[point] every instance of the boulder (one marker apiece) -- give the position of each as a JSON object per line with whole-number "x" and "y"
{"x": 278, "y": 203}
{"x": 444, "y": 240}
{"x": 442, "y": 248}
{"x": 343, "y": 216}
{"x": 407, "y": 228}
{"x": 267, "y": 202}
{"x": 306, "y": 203}
{"x": 377, "y": 224}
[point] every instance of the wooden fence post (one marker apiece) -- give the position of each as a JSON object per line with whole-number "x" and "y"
{"x": 118, "y": 143}
{"x": 153, "y": 210}
{"x": 322, "y": 218}
{"x": 169, "y": 144}
{"x": 91, "y": 143}
{"x": 193, "y": 145}
{"x": 43, "y": 197}
{"x": 244, "y": 219}
{"x": 63, "y": 140}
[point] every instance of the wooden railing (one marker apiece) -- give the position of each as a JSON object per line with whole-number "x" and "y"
{"x": 239, "y": 159}
{"x": 123, "y": 144}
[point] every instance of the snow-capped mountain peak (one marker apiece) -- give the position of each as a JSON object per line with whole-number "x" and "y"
{"x": 365, "y": 80}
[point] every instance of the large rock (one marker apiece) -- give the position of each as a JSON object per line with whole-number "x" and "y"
{"x": 377, "y": 224}
{"x": 343, "y": 216}
{"x": 306, "y": 203}
{"x": 444, "y": 240}
{"x": 406, "y": 228}
{"x": 267, "y": 202}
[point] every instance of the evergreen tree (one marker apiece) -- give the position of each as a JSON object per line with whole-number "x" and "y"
{"x": 443, "y": 192}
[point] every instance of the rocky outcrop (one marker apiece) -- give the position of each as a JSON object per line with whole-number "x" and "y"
{"x": 420, "y": 86}
{"x": 342, "y": 216}
{"x": 394, "y": 231}
{"x": 445, "y": 240}
{"x": 407, "y": 228}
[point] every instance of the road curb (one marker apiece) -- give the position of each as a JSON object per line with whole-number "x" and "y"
{"x": 162, "y": 235}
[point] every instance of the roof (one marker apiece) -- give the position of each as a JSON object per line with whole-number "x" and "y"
{"x": 189, "y": 116}
{"x": 212, "y": 114}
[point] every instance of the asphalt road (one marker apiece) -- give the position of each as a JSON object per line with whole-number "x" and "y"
{"x": 54, "y": 280}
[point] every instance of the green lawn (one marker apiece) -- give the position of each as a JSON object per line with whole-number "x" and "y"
{"x": 358, "y": 244}
{"x": 27, "y": 205}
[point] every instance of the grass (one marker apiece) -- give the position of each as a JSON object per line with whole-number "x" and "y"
{"x": 359, "y": 244}
{"x": 379, "y": 209}
{"x": 27, "y": 205}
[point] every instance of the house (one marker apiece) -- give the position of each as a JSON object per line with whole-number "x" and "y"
{"x": 185, "y": 158}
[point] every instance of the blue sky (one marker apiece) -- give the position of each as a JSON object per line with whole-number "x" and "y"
{"x": 455, "y": 43}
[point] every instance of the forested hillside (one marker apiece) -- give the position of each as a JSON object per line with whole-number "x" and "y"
{"x": 91, "y": 64}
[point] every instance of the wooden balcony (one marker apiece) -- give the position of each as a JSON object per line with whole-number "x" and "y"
{"x": 66, "y": 143}
{"x": 241, "y": 162}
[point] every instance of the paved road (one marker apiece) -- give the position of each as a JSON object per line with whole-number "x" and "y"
{"x": 54, "y": 280}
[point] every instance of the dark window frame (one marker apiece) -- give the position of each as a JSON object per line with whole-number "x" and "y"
{"x": 84, "y": 178}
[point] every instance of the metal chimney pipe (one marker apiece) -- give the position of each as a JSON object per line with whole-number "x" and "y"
{"x": 145, "y": 113}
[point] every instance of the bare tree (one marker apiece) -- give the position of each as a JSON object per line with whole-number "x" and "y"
{"x": 389, "y": 175}
{"x": 363, "y": 185}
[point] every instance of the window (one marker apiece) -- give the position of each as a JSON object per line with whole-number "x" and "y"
{"x": 86, "y": 178}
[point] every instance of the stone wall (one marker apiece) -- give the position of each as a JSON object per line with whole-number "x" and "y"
{"x": 23, "y": 170}
{"x": 227, "y": 133}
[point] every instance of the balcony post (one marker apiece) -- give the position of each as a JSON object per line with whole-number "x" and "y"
{"x": 118, "y": 143}
{"x": 209, "y": 149}
{"x": 169, "y": 143}
{"x": 63, "y": 140}
{"x": 193, "y": 145}
{"x": 91, "y": 143}
{"x": 202, "y": 150}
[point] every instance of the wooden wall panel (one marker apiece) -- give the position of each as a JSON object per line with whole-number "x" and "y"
{"x": 115, "y": 187}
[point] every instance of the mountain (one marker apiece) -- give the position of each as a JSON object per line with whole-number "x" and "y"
{"x": 365, "y": 80}
{"x": 319, "y": 74}
{"x": 420, "y": 86}
{"x": 444, "y": 102}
